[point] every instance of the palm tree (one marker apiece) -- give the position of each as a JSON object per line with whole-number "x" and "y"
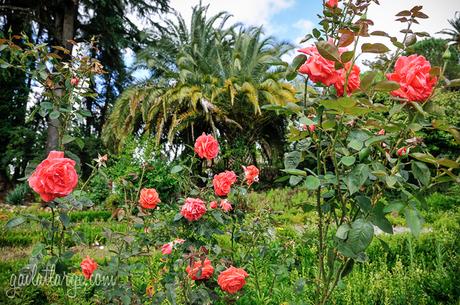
{"x": 454, "y": 32}
{"x": 206, "y": 77}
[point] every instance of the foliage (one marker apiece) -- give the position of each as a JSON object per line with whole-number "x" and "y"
{"x": 18, "y": 195}
{"x": 453, "y": 32}
{"x": 210, "y": 77}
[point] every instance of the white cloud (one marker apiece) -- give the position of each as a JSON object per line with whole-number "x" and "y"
{"x": 250, "y": 12}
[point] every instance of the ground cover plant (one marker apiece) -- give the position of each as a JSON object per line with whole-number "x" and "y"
{"x": 178, "y": 212}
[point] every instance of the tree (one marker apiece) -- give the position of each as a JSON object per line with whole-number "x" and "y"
{"x": 62, "y": 20}
{"x": 206, "y": 77}
{"x": 454, "y": 32}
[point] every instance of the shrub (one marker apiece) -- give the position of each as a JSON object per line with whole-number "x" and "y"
{"x": 18, "y": 195}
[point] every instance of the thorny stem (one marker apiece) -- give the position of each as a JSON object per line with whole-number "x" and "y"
{"x": 320, "y": 213}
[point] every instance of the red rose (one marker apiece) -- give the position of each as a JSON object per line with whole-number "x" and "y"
{"x": 332, "y": 3}
{"x": 74, "y": 81}
{"x": 319, "y": 69}
{"x": 88, "y": 266}
{"x": 225, "y": 205}
{"x": 149, "y": 198}
{"x": 54, "y": 177}
{"x": 193, "y": 209}
{"x": 251, "y": 173}
{"x": 213, "y": 204}
{"x": 413, "y": 75}
{"x": 223, "y": 182}
{"x": 232, "y": 279}
{"x": 167, "y": 248}
{"x": 353, "y": 80}
{"x": 205, "y": 268}
{"x": 403, "y": 151}
{"x": 206, "y": 146}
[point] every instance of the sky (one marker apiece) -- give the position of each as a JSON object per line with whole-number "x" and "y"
{"x": 292, "y": 19}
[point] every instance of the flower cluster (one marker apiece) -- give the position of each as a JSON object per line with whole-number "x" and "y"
{"x": 321, "y": 70}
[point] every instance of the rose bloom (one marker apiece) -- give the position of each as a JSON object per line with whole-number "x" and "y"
{"x": 332, "y": 3}
{"x": 353, "y": 80}
{"x": 149, "y": 198}
{"x": 206, "y": 146}
{"x": 193, "y": 209}
{"x": 213, "y": 205}
{"x": 232, "y": 279}
{"x": 88, "y": 266}
{"x": 74, "y": 81}
{"x": 167, "y": 248}
{"x": 206, "y": 270}
{"x": 179, "y": 241}
{"x": 413, "y": 75}
{"x": 403, "y": 151}
{"x": 223, "y": 183}
{"x": 225, "y": 205}
{"x": 54, "y": 177}
{"x": 251, "y": 173}
{"x": 318, "y": 69}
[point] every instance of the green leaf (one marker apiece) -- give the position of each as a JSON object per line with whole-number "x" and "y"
{"x": 54, "y": 115}
{"x": 386, "y": 86}
{"x": 67, "y": 139}
{"x": 64, "y": 219}
{"x": 414, "y": 221}
{"x": 298, "y": 61}
{"x": 342, "y": 231}
{"x": 364, "y": 203}
{"x": 360, "y": 235}
{"x": 367, "y": 79}
{"x": 348, "y": 160}
{"x": 294, "y": 171}
{"x": 391, "y": 181}
{"x": 355, "y": 144}
{"x": 177, "y": 217}
{"x": 176, "y": 169}
{"x": 14, "y": 222}
{"x": 292, "y": 159}
{"x": 421, "y": 172}
{"x": 347, "y": 268}
{"x": 379, "y": 219}
{"x": 46, "y": 105}
{"x": 328, "y": 51}
{"x": 374, "y": 48}
{"x": 217, "y": 216}
{"x": 393, "y": 207}
{"x": 294, "y": 180}
{"x": 312, "y": 183}
{"x": 38, "y": 249}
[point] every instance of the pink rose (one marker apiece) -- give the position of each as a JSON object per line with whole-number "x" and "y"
{"x": 54, "y": 177}
{"x": 232, "y": 279}
{"x": 225, "y": 205}
{"x": 381, "y": 132}
{"x": 403, "y": 151}
{"x": 74, "y": 81}
{"x": 167, "y": 248}
{"x": 193, "y": 209}
{"x": 205, "y": 268}
{"x": 223, "y": 183}
{"x": 88, "y": 266}
{"x": 251, "y": 173}
{"x": 332, "y": 3}
{"x": 413, "y": 75}
{"x": 353, "y": 80}
{"x": 149, "y": 198}
{"x": 179, "y": 241}
{"x": 213, "y": 205}
{"x": 318, "y": 69}
{"x": 206, "y": 146}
